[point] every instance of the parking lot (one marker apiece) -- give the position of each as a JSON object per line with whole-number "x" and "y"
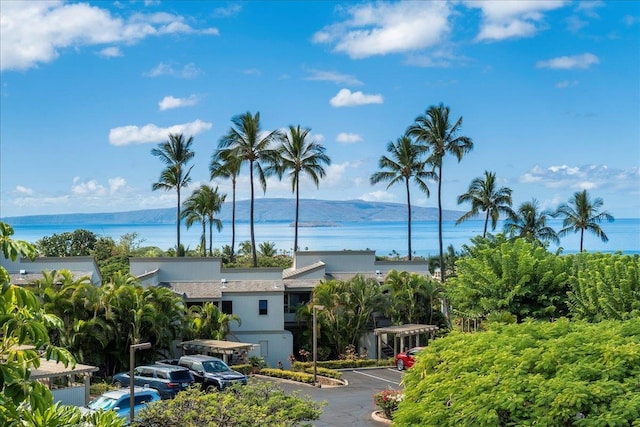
{"x": 349, "y": 405}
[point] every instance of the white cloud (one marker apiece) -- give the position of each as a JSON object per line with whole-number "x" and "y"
{"x": 189, "y": 71}
{"x": 169, "y": 102}
{"x": 132, "y": 134}
{"x": 583, "y": 177}
{"x": 583, "y": 61}
{"x": 379, "y": 196}
{"x": 24, "y": 190}
{"x": 227, "y": 11}
{"x": 116, "y": 184}
{"x": 382, "y": 28}
{"x": 346, "y": 98}
{"x": 87, "y": 188}
{"x": 110, "y": 52}
{"x": 511, "y": 19}
{"x": 37, "y": 32}
{"x": 348, "y": 138}
{"x": 334, "y": 77}
{"x": 335, "y": 174}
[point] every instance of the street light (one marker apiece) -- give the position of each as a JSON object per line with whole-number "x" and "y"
{"x": 132, "y": 362}
{"x": 316, "y": 308}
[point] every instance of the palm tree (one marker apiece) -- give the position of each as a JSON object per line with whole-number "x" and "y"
{"x": 175, "y": 153}
{"x": 208, "y": 322}
{"x": 582, "y": 214}
{"x": 485, "y": 197}
{"x": 441, "y": 137}
{"x": 224, "y": 165}
{"x": 195, "y": 209}
{"x": 404, "y": 164}
{"x": 299, "y": 155}
{"x": 529, "y": 223}
{"x": 214, "y": 206}
{"x": 249, "y": 144}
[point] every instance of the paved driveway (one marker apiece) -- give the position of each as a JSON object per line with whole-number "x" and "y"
{"x": 349, "y": 405}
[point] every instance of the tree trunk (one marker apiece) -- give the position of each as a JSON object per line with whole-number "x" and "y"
{"x": 408, "y": 218}
{"x": 253, "y": 237}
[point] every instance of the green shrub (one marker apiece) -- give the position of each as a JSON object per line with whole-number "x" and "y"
{"x": 302, "y": 377}
{"x": 99, "y": 388}
{"x": 558, "y": 373}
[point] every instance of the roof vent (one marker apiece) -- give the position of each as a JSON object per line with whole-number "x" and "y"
{"x": 223, "y": 280}
{"x": 23, "y": 272}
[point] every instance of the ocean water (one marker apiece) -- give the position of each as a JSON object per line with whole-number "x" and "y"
{"x": 383, "y": 237}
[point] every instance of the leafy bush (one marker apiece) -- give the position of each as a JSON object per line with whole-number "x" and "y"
{"x": 302, "y": 377}
{"x": 550, "y": 374}
{"x": 342, "y": 364}
{"x": 256, "y": 404}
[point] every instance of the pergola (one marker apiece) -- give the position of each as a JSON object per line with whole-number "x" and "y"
{"x": 401, "y": 332}
{"x": 49, "y": 370}
{"x": 225, "y": 348}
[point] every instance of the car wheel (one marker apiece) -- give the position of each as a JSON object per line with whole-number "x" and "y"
{"x": 400, "y": 365}
{"x": 117, "y": 384}
{"x": 211, "y": 389}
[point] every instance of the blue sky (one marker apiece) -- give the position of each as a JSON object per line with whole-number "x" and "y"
{"x": 549, "y": 91}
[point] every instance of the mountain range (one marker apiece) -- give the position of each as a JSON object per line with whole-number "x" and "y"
{"x": 265, "y": 210}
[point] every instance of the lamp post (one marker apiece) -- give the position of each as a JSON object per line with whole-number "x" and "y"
{"x": 132, "y": 362}
{"x": 316, "y": 308}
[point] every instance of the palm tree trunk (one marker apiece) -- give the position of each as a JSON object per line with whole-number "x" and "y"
{"x": 233, "y": 219}
{"x": 204, "y": 237}
{"x": 253, "y": 237}
{"x": 178, "y": 224}
{"x": 408, "y": 218}
{"x": 442, "y": 272}
{"x": 210, "y": 236}
{"x": 295, "y": 239}
{"x": 486, "y": 223}
{"x": 581, "y": 238}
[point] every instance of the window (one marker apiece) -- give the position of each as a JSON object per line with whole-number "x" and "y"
{"x": 263, "y": 307}
{"x": 227, "y": 307}
{"x": 293, "y": 301}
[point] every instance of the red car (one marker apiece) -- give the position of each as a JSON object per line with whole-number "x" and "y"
{"x": 406, "y": 359}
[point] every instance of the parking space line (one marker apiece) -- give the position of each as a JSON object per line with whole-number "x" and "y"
{"x": 376, "y": 377}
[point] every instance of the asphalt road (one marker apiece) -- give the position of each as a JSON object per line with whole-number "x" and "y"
{"x": 349, "y": 405}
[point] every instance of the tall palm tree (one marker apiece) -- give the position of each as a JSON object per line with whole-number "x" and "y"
{"x": 300, "y": 155}
{"x": 441, "y": 137}
{"x": 404, "y": 164}
{"x": 208, "y": 322}
{"x": 246, "y": 141}
{"x": 580, "y": 214}
{"x": 175, "y": 153}
{"x": 225, "y": 165}
{"x": 530, "y": 223}
{"x": 485, "y": 197}
{"x": 215, "y": 202}
{"x": 195, "y": 209}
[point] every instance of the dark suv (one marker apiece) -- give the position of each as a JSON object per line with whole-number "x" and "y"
{"x": 211, "y": 372}
{"x": 168, "y": 380}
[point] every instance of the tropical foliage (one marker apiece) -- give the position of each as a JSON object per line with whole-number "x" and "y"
{"x": 519, "y": 277}
{"x": 484, "y": 196}
{"x": 529, "y": 222}
{"x": 23, "y": 335}
{"x": 405, "y": 164}
{"x": 441, "y": 137}
{"x": 246, "y": 142}
{"x": 256, "y": 404}
{"x": 604, "y": 286}
{"x": 558, "y": 373}
{"x": 175, "y": 154}
{"x": 582, "y": 214}
{"x": 300, "y": 155}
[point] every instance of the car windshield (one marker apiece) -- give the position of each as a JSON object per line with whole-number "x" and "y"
{"x": 102, "y": 402}
{"x": 215, "y": 366}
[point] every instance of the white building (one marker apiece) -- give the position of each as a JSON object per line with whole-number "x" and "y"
{"x": 265, "y": 299}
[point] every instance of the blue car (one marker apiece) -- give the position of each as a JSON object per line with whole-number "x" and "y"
{"x": 119, "y": 401}
{"x": 167, "y": 380}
